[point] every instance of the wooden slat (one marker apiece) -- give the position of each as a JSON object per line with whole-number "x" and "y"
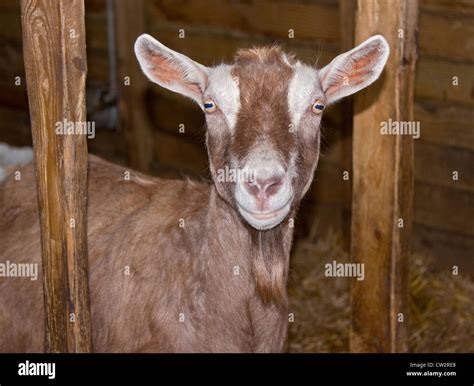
{"x": 333, "y": 144}
{"x": 17, "y": 133}
{"x": 447, "y": 35}
{"x": 11, "y": 64}
{"x": 383, "y": 183}
{"x": 98, "y": 67}
{"x": 328, "y": 185}
{"x": 441, "y": 24}
{"x": 159, "y": 103}
{"x": 318, "y": 217}
{"x": 347, "y": 10}
{"x": 13, "y": 97}
{"x": 171, "y": 151}
{"x": 96, "y": 30}
{"x": 434, "y": 81}
{"x": 447, "y": 207}
{"x": 447, "y": 248}
{"x": 445, "y": 123}
{"x": 95, "y": 6}
{"x": 109, "y": 145}
{"x": 444, "y": 208}
{"x": 310, "y": 20}
{"x": 13, "y": 5}
{"x": 464, "y": 6}
{"x": 435, "y": 164}
{"x": 56, "y": 68}
{"x": 212, "y": 49}
{"x": 10, "y": 25}
{"x": 132, "y": 114}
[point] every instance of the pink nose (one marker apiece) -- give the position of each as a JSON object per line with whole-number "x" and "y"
{"x": 262, "y": 189}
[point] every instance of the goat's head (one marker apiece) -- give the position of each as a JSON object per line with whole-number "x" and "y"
{"x": 263, "y": 114}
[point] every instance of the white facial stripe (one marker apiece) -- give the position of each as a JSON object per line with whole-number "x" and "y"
{"x": 264, "y": 161}
{"x": 303, "y": 87}
{"x": 292, "y": 170}
{"x": 225, "y": 92}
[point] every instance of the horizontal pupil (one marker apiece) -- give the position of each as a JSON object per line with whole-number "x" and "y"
{"x": 319, "y": 107}
{"x": 208, "y": 105}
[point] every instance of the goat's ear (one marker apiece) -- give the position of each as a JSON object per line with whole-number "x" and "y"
{"x": 354, "y": 70}
{"x": 170, "y": 69}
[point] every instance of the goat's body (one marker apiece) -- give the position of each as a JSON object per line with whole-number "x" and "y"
{"x": 179, "y": 266}
{"x": 154, "y": 285}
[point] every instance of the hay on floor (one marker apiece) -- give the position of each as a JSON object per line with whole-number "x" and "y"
{"x": 441, "y": 307}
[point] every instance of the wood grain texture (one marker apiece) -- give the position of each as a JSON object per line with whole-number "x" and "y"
{"x": 445, "y": 209}
{"x": 447, "y": 35}
{"x": 434, "y": 81}
{"x": 435, "y": 165}
{"x": 448, "y": 248}
{"x": 56, "y": 67}
{"x": 383, "y": 183}
{"x": 310, "y": 20}
{"x": 132, "y": 114}
{"x": 445, "y": 124}
{"x": 347, "y": 9}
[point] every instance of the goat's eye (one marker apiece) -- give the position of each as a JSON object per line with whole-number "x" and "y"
{"x": 318, "y": 107}
{"x": 209, "y": 106}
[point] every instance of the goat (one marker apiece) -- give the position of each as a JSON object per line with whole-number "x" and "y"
{"x": 183, "y": 266}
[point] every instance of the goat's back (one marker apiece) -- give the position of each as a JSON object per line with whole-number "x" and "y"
{"x": 140, "y": 284}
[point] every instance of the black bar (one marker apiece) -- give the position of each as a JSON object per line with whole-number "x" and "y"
{"x": 291, "y": 369}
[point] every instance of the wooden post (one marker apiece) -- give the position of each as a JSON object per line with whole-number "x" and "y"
{"x": 347, "y": 31}
{"x": 132, "y": 85}
{"x": 383, "y": 182}
{"x": 55, "y": 63}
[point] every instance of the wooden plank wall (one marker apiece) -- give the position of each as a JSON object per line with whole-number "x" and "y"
{"x": 444, "y": 208}
{"x": 215, "y": 29}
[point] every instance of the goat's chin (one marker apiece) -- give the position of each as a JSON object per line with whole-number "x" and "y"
{"x": 265, "y": 221}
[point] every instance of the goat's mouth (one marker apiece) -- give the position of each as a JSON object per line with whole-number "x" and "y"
{"x": 265, "y": 220}
{"x": 264, "y": 215}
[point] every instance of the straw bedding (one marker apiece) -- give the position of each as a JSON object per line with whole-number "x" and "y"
{"x": 441, "y": 308}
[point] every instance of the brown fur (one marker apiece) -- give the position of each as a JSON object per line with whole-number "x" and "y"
{"x": 263, "y": 78}
{"x": 174, "y": 271}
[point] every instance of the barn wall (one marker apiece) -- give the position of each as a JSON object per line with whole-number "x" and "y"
{"x": 444, "y": 208}
{"x": 216, "y": 29}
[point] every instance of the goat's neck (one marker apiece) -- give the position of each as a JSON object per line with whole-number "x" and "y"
{"x": 268, "y": 251}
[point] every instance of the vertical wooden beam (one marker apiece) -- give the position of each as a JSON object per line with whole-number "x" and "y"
{"x": 347, "y": 31}
{"x": 132, "y": 113}
{"x": 383, "y": 182}
{"x": 54, "y": 50}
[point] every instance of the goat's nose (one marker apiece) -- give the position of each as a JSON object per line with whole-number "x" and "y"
{"x": 263, "y": 188}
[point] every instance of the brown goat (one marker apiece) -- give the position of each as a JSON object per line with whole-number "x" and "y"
{"x": 182, "y": 266}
